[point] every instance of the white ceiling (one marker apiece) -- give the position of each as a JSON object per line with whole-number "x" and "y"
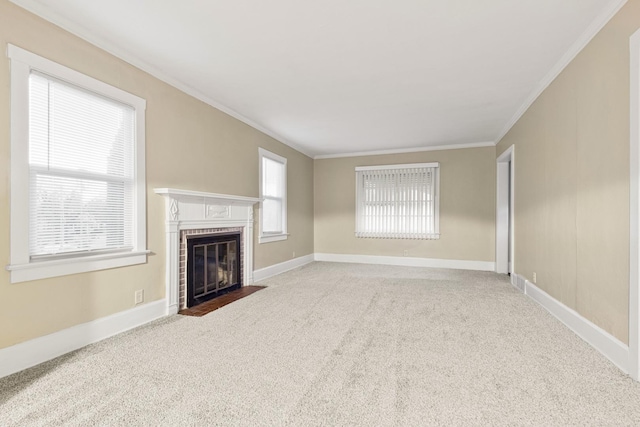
{"x": 333, "y": 77}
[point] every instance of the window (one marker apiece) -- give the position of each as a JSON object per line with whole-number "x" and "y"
{"x": 77, "y": 172}
{"x": 273, "y": 192}
{"x": 398, "y": 201}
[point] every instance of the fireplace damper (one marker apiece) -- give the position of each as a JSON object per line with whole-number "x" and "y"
{"x": 213, "y": 266}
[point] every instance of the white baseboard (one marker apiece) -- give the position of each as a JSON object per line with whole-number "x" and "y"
{"x": 408, "y": 261}
{"x": 33, "y": 352}
{"x": 612, "y": 348}
{"x": 274, "y": 270}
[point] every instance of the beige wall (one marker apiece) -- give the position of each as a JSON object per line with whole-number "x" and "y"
{"x": 190, "y": 145}
{"x": 572, "y": 180}
{"x": 467, "y": 206}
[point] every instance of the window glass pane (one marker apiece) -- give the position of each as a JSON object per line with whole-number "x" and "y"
{"x": 71, "y": 215}
{"x": 272, "y": 216}
{"x": 77, "y": 130}
{"x": 38, "y": 120}
{"x": 273, "y": 178}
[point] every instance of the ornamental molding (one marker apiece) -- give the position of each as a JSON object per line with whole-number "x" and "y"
{"x": 217, "y": 211}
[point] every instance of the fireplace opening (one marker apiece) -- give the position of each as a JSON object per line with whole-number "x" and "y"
{"x": 213, "y": 266}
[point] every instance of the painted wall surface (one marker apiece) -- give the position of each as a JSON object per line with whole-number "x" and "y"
{"x": 572, "y": 180}
{"x": 467, "y": 206}
{"x": 190, "y": 145}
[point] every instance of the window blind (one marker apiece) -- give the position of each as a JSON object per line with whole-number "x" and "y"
{"x": 397, "y": 202}
{"x": 81, "y": 167}
{"x": 273, "y": 190}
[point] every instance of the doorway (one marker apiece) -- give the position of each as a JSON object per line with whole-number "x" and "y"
{"x": 505, "y": 212}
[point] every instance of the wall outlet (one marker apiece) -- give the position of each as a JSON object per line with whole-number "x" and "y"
{"x": 534, "y": 277}
{"x": 405, "y": 252}
{"x": 139, "y": 296}
{"x": 294, "y": 254}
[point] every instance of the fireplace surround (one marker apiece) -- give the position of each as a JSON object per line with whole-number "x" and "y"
{"x": 195, "y": 213}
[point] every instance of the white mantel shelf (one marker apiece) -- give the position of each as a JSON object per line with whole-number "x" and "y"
{"x": 224, "y": 198}
{"x": 190, "y": 210}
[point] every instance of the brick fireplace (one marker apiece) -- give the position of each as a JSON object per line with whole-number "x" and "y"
{"x": 190, "y": 214}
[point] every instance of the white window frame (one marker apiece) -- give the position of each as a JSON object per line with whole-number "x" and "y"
{"x": 22, "y": 268}
{"x": 272, "y": 237}
{"x": 436, "y": 202}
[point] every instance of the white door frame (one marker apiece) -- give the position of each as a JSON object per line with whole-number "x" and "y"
{"x": 634, "y": 209}
{"x": 505, "y": 241}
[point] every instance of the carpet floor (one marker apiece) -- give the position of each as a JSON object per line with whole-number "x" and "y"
{"x": 337, "y": 345}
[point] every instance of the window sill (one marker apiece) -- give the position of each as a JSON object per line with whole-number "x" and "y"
{"x": 394, "y": 236}
{"x": 63, "y": 267}
{"x": 268, "y": 238}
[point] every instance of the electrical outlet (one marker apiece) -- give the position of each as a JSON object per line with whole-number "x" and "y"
{"x": 534, "y": 277}
{"x": 405, "y": 252}
{"x": 139, "y": 296}
{"x": 294, "y": 254}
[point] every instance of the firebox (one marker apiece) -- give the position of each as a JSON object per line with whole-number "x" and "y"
{"x": 213, "y": 266}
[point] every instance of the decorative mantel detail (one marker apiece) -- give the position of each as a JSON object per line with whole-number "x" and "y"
{"x": 216, "y": 211}
{"x": 190, "y": 210}
{"x": 173, "y": 210}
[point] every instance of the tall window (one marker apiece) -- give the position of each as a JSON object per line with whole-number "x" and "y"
{"x": 77, "y": 171}
{"x": 80, "y": 170}
{"x": 398, "y": 201}
{"x": 273, "y": 192}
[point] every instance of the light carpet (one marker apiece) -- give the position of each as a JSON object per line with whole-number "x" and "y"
{"x": 336, "y": 345}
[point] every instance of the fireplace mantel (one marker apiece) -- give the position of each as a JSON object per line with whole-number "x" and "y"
{"x": 190, "y": 210}
{"x": 174, "y": 193}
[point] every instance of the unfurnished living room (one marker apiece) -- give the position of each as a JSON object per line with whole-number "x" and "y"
{"x": 334, "y": 213}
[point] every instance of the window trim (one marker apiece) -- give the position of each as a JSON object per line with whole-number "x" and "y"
{"x": 22, "y": 268}
{"x": 272, "y": 237}
{"x": 436, "y": 200}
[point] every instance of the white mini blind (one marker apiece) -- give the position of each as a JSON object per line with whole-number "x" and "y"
{"x": 273, "y": 192}
{"x": 398, "y": 201}
{"x": 81, "y": 167}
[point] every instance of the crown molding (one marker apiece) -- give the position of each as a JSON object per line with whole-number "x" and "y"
{"x": 564, "y": 61}
{"x": 84, "y": 33}
{"x": 407, "y": 150}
